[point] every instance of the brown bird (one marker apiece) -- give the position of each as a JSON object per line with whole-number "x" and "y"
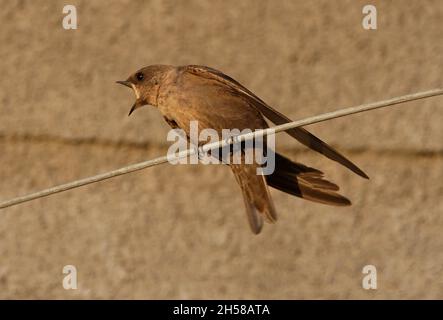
{"x": 186, "y": 93}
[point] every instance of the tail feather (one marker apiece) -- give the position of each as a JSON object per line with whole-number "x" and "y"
{"x": 256, "y": 196}
{"x": 304, "y": 182}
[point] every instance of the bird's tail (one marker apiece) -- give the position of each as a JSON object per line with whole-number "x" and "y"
{"x": 256, "y": 196}
{"x": 304, "y": 182}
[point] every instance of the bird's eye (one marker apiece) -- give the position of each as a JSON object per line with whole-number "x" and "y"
{"x": 139, "y": 76}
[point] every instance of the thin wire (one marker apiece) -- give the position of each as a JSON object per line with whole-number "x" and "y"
{"x": 222, "y": 143}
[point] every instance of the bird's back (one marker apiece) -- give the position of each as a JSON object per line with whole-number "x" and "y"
{"x": 190, "y": 96}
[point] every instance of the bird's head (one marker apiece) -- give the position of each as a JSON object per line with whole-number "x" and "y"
{"x": 145, "y": 83}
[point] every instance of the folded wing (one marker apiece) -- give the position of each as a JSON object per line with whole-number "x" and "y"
{"x": 302, "y": 135}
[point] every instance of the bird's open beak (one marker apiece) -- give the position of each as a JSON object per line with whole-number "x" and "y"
{"x": 125, "y": 83}
{"x": 129, "y": 85}
{"x": 134, "y": 106}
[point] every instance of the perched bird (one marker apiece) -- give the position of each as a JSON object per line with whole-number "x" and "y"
{"x": 186, "y": 93}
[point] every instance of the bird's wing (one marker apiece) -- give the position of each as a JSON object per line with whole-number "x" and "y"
{"x": 301, "y": 134}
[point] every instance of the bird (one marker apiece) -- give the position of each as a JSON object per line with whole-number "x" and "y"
{"x": 199, "y": 93}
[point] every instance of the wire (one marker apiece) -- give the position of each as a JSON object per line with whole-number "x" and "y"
{"x": 222, "y": 143}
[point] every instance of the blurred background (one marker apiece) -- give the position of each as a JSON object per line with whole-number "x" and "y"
{"x": 179, "y": 232}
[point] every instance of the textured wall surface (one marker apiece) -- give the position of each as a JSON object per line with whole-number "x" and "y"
{"x": 180, "y": 231}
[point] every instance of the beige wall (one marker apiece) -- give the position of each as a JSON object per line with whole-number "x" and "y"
{"x": 180, "y": 231}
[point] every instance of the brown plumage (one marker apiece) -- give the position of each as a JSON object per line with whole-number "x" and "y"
{"x": 187, "y": 93}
